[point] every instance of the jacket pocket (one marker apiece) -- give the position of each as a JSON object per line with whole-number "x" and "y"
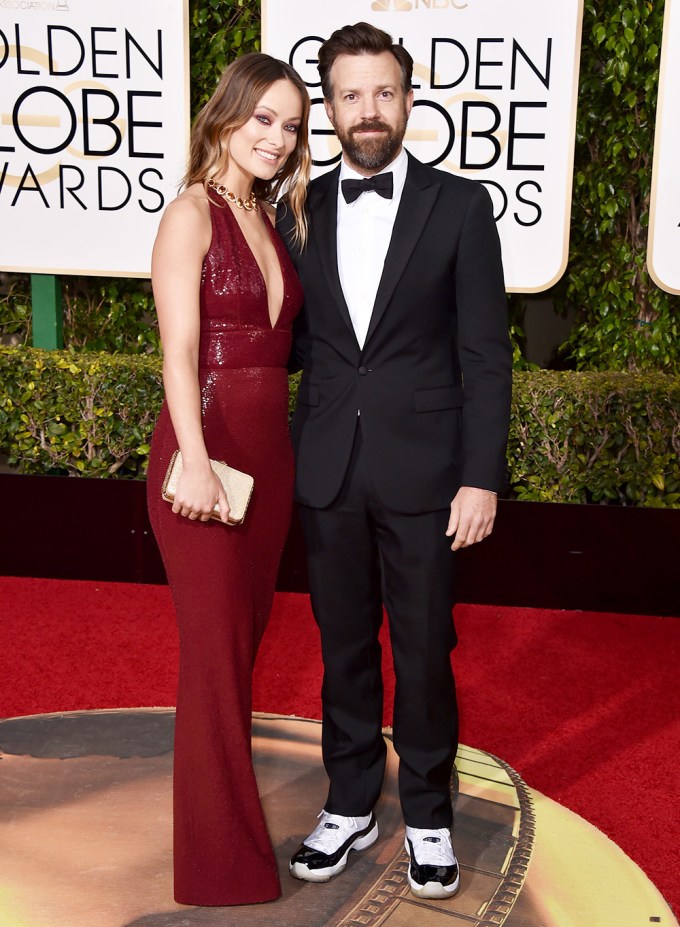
{"x": 438, "y": 397}
{"x": 308, "y": 394}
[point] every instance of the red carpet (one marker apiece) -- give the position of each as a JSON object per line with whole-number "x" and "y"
{"x": 585, "y": 706}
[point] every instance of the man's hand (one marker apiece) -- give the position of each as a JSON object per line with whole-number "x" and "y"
{"x": 472, "y": 516}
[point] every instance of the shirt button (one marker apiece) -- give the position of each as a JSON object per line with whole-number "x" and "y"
{"x": 363, "y": 371}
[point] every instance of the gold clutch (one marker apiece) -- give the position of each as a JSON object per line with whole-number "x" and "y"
{"x": 237, "y": 486}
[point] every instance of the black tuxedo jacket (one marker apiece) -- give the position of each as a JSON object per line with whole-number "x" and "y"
{"x": 433, "y": 380}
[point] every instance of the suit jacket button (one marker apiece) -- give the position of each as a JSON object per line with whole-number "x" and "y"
{"x": 363, "y": 371}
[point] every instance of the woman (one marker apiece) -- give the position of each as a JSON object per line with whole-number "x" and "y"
{"x": 226, "y": 295}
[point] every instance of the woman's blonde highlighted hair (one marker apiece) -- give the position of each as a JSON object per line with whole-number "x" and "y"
{"x": 241, "y": 87}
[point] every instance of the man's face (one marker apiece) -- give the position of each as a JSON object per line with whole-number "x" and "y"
{"x": 369, "y": 110}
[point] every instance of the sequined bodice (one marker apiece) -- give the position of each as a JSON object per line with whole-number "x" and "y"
{"x": 236, "y": 330}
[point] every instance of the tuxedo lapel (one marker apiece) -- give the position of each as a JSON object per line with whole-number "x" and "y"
{"x": 417, "y": 199}
{"x": 324, "y": 226}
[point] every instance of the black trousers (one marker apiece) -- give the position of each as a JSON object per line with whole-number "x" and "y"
{"x": 361, "y": 555}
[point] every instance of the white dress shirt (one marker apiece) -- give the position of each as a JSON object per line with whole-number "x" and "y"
{"x": 364, "y": 233}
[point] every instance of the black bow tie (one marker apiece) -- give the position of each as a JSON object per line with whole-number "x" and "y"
{"x": 381, "y": 183}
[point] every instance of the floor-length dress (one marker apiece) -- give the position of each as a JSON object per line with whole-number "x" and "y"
{"x": 222, "y": 577}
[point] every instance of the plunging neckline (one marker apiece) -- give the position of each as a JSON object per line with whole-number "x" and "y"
{"x": 270, "y": 232}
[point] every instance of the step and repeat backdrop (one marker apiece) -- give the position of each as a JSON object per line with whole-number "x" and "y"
{"x": 663, "y": 256}
{"x": 94, "y": 122}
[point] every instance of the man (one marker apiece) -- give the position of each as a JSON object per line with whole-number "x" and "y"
{"x": 400, "y": 434}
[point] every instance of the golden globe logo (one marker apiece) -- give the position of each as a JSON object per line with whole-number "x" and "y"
{"x": 407, "y": 6}
{"x": 64, "y": 112}
{"x": 94, "y": 124}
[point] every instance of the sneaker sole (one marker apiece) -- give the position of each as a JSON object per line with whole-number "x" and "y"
{"x": 433, "y": 889}
{"x": 430, "y": 889}
{"x": 300, "y": 871}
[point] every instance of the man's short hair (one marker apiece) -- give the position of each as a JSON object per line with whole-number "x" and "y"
{"x": 361, "y": 39}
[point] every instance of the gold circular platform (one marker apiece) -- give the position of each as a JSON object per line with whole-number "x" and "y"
{"x": 85, "y": 838}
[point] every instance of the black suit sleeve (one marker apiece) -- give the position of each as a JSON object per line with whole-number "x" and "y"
{"x": 484, "y": 347}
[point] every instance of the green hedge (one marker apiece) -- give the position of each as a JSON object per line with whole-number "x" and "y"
{"x": 78, "y": 414}
{"x": 596, "y": 437}
{"x": 575, "y": 437}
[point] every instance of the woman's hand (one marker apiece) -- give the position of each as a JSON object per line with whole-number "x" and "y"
{"x": 198, "y": 492}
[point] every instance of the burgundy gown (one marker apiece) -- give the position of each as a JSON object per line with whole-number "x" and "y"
{"x": 222, "y": 577}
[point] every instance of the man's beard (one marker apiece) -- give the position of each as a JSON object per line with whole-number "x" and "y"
{"x": 372, "y": 154}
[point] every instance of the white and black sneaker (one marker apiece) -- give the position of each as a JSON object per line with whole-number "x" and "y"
{"x": 433, "y": 869}
{"x": 324, "y": 853}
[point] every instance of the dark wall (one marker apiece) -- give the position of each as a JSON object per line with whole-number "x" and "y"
{"x": 588, "y": 557}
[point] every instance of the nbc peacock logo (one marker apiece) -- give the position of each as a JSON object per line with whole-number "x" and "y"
{"x": 394, "y": 6}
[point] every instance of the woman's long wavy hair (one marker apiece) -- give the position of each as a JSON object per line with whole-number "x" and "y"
{"x": 241, "y": 87}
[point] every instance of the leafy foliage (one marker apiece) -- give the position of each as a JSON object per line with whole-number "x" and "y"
{"x": 78, "y": 414}
{"x": 15, "y": 309}
{"x": 116, "y": 315}
{"x": 516, "y": 310}
{"x": 220, "y": 32}
{"x": 596, "y": 437}
{"x": 623, "y": 320}
{"x": 576, "y": 437}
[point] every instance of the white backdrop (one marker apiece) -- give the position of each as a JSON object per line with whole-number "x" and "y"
{"x": 496, "y": 87}
{"x": 94, "y": 123}
{"x": 663, "y": 253}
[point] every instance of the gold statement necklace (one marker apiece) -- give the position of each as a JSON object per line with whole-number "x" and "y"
{"x": 249, "y": 203}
